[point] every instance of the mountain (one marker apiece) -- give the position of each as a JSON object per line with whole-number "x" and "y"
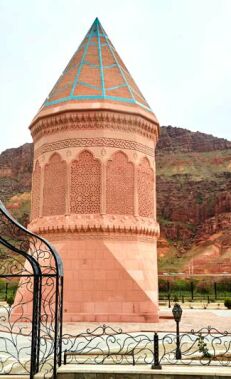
{"x": 193, "y": 198}
{"x": 193, "y": 201}
{"x": 15, "y": 180}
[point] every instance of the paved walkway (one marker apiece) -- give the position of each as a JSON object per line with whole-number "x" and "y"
{"x": 140, "y": 372}
{"x": 191, "y": 319}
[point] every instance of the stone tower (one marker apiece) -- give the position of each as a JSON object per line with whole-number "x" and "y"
{"x": 93, "y": 192}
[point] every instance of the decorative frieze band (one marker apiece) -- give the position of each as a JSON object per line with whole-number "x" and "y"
{"x": 96, "y": 224}
{"x": 94, "y": 120}
{"x": 98, "y": 142}
{"x": 94, "y": 235}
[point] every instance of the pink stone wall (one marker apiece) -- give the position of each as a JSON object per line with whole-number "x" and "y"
{"x": 108, "y": 279}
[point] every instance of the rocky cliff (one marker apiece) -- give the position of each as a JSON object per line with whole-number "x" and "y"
{"x": 193, "y": 198}
{"x": 15, "y": 171}
{"x": 193, "y": 201}
{"x": 15, "y": 180}
{"x": 182, "y": 140}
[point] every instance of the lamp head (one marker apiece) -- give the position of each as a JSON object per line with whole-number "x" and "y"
{"x": 177, "y": 312}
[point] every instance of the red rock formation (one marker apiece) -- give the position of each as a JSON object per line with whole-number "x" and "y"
{"x": 174, "y": 139}
{"x": 15, "y": 171}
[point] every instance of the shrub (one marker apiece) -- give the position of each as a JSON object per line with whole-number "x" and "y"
{"x": 203, "y": 287}
{"x": 180, "y": 285}
{"x": 163, "y": 286}
{"x": 10, "y": 301}
{"x": 227, "y": 303}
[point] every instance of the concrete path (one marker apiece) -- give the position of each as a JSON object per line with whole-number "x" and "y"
{"x": 140, "y": 372}
{"x": 191, "y": 319}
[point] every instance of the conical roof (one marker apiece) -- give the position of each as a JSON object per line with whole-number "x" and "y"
{"x": 96, "y": 76}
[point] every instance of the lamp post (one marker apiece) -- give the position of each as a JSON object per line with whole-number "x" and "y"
{"x": 177, "y": 313}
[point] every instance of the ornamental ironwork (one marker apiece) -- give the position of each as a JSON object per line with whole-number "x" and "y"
{"x": 105, "y": 345}
{"x": 31, "y": 313}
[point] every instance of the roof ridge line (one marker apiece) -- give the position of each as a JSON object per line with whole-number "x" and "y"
{"x": 121, "y": 71}
{"x": 132, "y": 89}
{"x": 100, "y": 58}
{"x": 81, "y": 63}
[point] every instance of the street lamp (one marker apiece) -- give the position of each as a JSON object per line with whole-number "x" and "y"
{"x": 177, "y": 313}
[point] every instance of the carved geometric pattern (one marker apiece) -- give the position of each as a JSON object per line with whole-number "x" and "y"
{"x": 145, "y": 186}
{"x": 85, "y": 184}
{"x": 120, "y": 185}
{"x": 55, "y": 186}
{"x": 100, "y": 142}
{"x": 97, "y": 121}
{"x": 142, "y": 237}
{"x": 36, "y": 183}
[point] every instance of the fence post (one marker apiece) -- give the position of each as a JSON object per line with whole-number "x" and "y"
{"x": 215, "y": 290}
{"x": 192, "y": 290}
{"x": 65, "y": 357}
{"x": 168, "y": 286}
{"x": 156, "y": 363}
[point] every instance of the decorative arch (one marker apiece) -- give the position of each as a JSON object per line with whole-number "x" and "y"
{"x": 55, "y": 186}
{"x": 85, "y": 191}
{"x": 120, "y": 185}
{"x": 145, "y": 188}
{"x": 36, "y": 185}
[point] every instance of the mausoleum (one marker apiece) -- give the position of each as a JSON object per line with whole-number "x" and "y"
{"x": 93, "y": 192}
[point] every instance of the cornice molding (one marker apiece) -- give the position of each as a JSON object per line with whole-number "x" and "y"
{"x": 99, "y": 224}
{"x": 83, "y": 120}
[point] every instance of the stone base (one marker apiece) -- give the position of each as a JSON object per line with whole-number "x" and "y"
{"x": 108, "y": 278}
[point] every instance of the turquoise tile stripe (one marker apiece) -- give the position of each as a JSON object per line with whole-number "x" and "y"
{"x": 81, "y": 63}
{"x": 121, "y": 71}
{"x": 97, "y": 31}
{"x": 100, "y": 59}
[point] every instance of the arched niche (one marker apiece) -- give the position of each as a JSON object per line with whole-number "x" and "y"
{"x": 120, "y": 185}
{"x": 145, "y": 188}
{"x": 55, "y": 186}
{"x": 36, "y": 185}
{"x": 85, "y": 191}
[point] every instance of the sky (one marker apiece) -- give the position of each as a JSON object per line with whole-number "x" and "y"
{"x": 178, "y": 52}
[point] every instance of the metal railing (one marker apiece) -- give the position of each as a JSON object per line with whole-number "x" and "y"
{"x": 105, "y": 345}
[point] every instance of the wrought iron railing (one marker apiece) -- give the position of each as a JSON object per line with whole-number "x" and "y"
{"x": 207, "y": 347}
{"x": 105, "y": 345}
{"x": 31, "y": 314}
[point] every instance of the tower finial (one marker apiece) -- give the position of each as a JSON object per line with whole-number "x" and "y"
{"x": 96, "y": 22}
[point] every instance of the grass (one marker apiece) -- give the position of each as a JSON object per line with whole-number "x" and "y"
{"x": 199, "y": 165}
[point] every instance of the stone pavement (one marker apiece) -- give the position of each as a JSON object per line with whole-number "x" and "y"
{"x": 140, "y": 372}
{"x": 191, "y": 319}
